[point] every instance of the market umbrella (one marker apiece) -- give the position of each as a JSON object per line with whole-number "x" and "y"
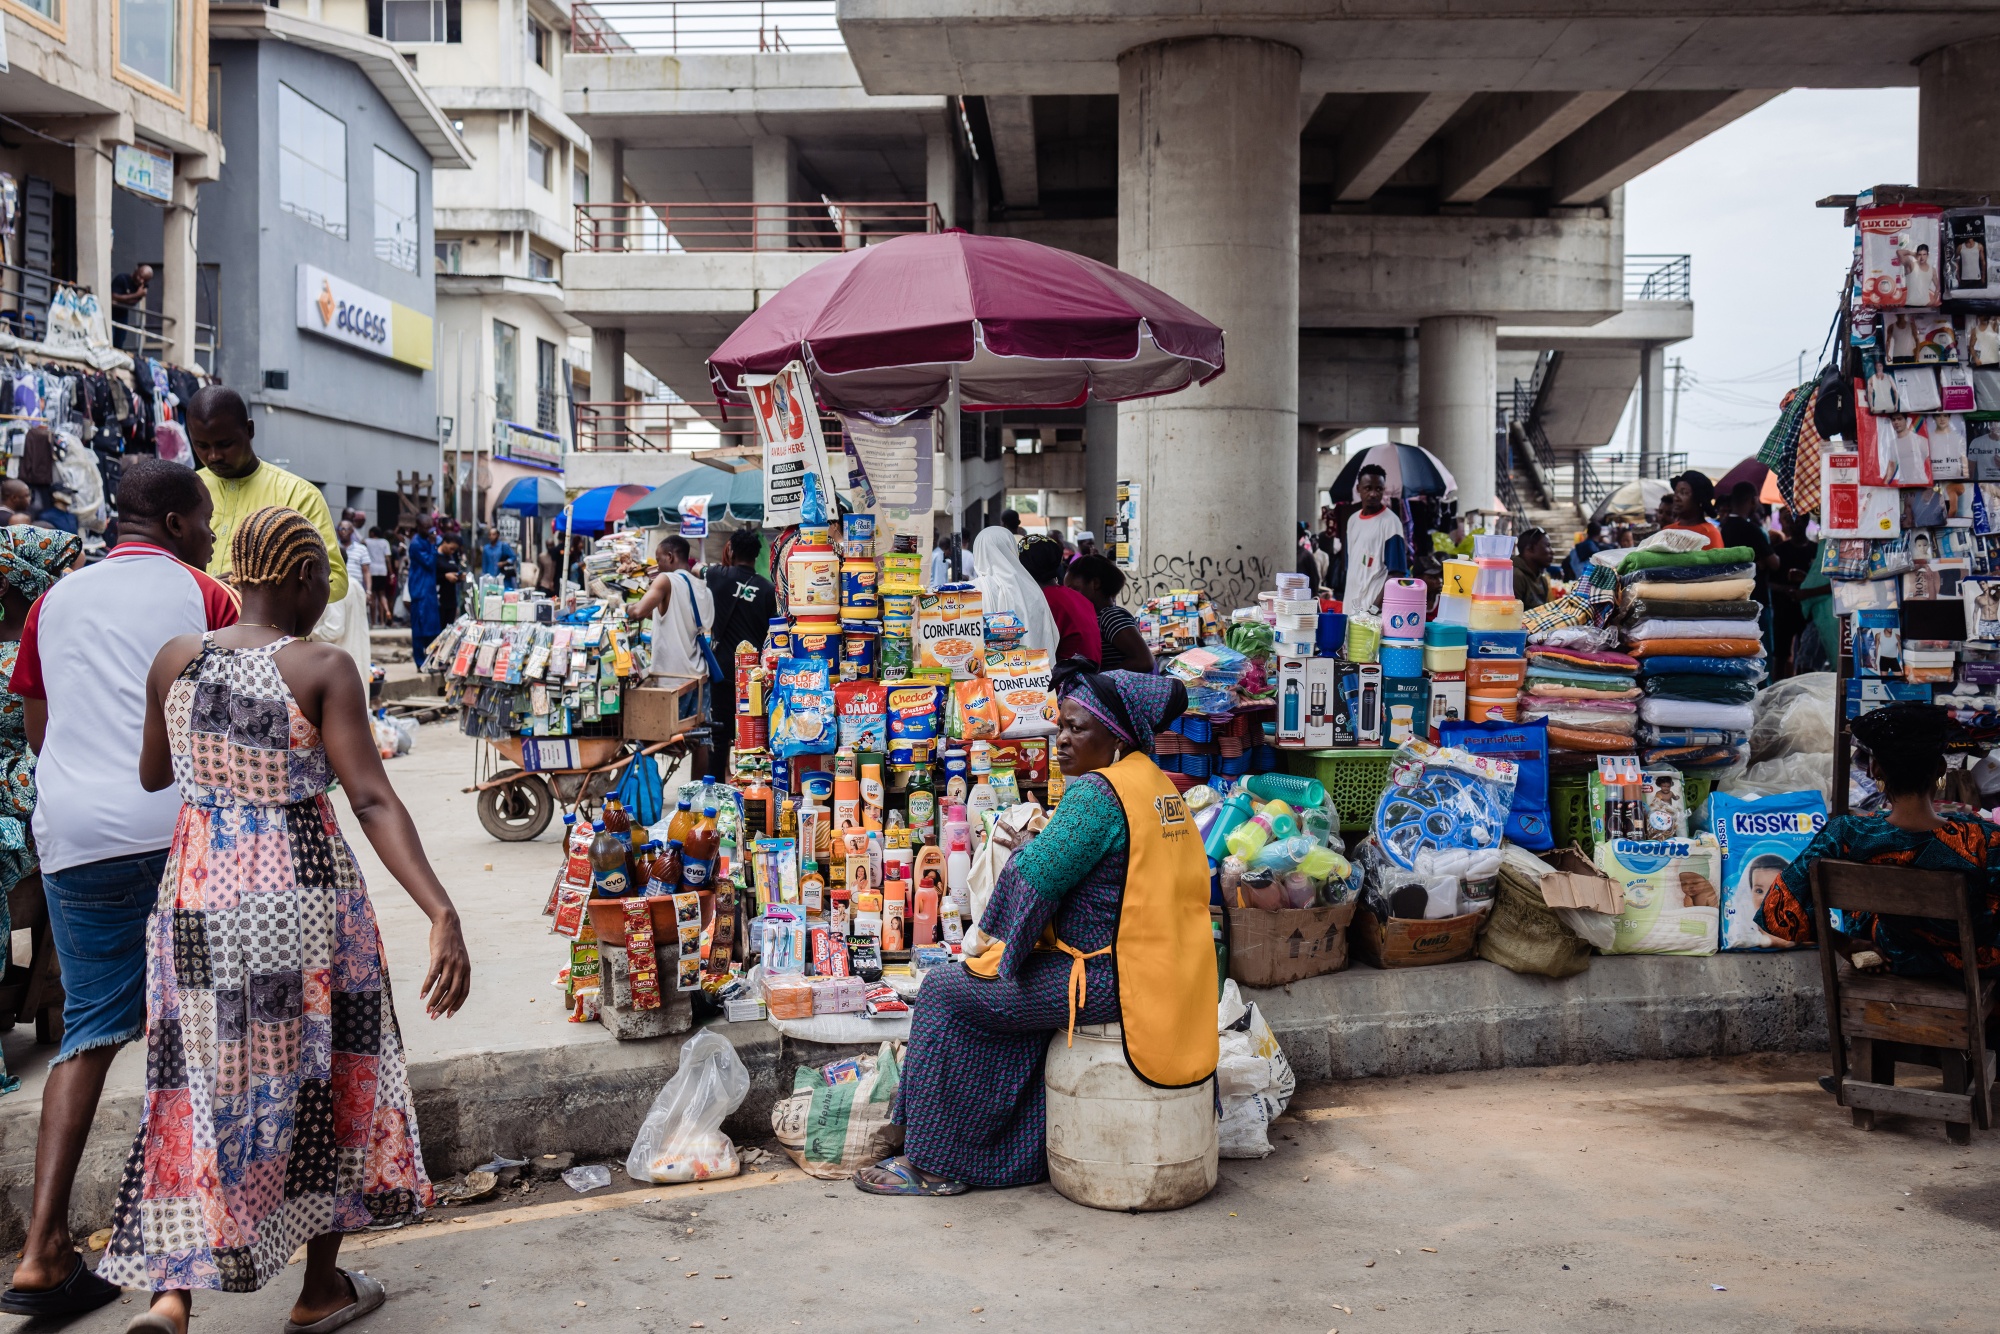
{"x": 1749, "y": 472}
{"x": 891, "y": 328}
{"x": 734, "y": 495}
{"x": 598, "y": 508}
{"x": 1412, "y": 471}
{"x": 542, "y": 496}
{"x": 1636, "y": 499}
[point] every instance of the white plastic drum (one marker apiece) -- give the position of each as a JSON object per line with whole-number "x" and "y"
{"x": 1114, "y": 1141}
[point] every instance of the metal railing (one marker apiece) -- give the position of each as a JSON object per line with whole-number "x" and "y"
{"x": 698, "y": 26}
{"x": 656, "y": 425}
{"x": 656, "y": 228}
{"x": 1659, "y": 278}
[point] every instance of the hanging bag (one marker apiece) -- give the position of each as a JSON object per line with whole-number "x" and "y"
{"x": 701, "y": 642}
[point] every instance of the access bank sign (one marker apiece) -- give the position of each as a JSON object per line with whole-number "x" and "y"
{"x": 337, "y": 309}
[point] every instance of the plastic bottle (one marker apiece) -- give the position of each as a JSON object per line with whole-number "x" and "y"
{"x": 871, "y": 796}
{"x": 894, "y": 898}
{"x": 958, "y": 863}
{"x": 607, "y": 865}
{"x": 667, "y": 871}
{"x": 682, "y": 821}
{"x": 1248, "y": 839}
{"x": 698, "y": 851}
{"x": 924, "y": 921}
{"x": 616, "y": 822}
{"x": 1235, "y": 812}
{"x": 1304, "y": 793}
{"x": 982, "y": 798}
{"x": 638, "y": 864}
{"x": 1284, "y": 855}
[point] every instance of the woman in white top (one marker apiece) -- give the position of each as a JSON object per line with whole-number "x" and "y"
{"x": 1005, "y": 585}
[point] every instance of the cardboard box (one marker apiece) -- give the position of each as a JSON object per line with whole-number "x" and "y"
{"x": 1447, "y": 700}
{"x": 1269, "y": 949}
{"x": 1403, "y": 942}
{"x": 673, "y": 706}
{"x": 1292, "y": 697}
{"x": 1370, "y": 718}
{"x": 1577, "y": 883}
{"x": 1406, "y": 704}
{"x": 1323, "y": 702}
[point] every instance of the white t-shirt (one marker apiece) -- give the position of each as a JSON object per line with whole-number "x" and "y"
{"x": 674, "y": 653}
{"x": 86, "y": 649}
{"x": 1367, "y": 537}
{"x": 360, "y": 560}
{"x": 378, "y": 557}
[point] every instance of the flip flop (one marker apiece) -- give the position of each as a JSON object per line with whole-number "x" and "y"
{"x": 148, "y": 1323}
{"x": 368, "y": 1298}
{"x": 82, "y": 1291}
{"x": 899, "y": 1176}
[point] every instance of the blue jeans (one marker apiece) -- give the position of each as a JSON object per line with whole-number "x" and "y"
{"x": 98, "y": 914}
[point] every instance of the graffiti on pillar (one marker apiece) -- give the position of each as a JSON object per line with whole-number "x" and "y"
{"x": 1230, "y": 581}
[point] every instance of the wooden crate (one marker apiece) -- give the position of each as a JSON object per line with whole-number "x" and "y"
{"x": 673, "y": 706}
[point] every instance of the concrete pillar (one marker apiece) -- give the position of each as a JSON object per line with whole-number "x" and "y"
{"x": 93, "y": 217}
{"x": 1958, "y": 117}
{"x": 1208, "y": 211}
{"x": 1652, "y": 409}
{"x": 941, "y": 174}
{"x": 1455, "y": 377}
{"x": 179, "y": 270}
{"x": 606, "y": 227}
{"x": 607, "y": 377}
{"x": 774, "y": 162}
{"x": 1100, "y": 470}
{"x": 1309, "y": 499}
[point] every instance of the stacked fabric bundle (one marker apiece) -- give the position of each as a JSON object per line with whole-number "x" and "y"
{"x": 1689, "y": 620}
{"x": 1589, "y": 696}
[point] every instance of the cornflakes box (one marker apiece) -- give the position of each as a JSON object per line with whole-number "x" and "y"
{"x": 951, "y": 630}
{"x": 1021, "y": 683}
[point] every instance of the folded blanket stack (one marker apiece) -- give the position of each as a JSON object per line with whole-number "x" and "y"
{"x": 1589, "y": 696}
{"x": 1689, "y": 621}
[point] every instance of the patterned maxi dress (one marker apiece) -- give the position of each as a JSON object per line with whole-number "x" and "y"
{"x": 971, "y": 1100}
{"x": 277, "y": 1101}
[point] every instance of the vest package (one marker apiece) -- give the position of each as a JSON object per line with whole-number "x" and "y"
{"x": 1527, "y": 745}
{"x": 1671, "y": 903}
{"x": 1759, "y": 838}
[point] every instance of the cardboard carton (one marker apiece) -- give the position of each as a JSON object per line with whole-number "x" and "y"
{"x": 1409, "y": 942}
{"x": 1269, "y": 949}
{"x": 1577, "y": 883}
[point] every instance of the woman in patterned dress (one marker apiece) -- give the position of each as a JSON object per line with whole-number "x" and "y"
{"x": 30, "y": 560}
{"x": 971, "y": 1100}
{"x": 278, "y": 1108}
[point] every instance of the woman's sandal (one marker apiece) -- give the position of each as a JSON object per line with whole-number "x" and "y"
{"x": 900, "y": 1176}
{"x": 148, "y": 1323}
{"x": 368, "y": 1298}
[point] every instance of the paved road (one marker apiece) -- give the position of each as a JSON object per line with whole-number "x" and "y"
{"x": 1713, "y": 1196}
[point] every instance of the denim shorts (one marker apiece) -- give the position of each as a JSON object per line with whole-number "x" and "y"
{"x": 98, "y": 914}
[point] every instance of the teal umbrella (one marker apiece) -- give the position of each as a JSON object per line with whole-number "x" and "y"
{"x": 732, "y": 495}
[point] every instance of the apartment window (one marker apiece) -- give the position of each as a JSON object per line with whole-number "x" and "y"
{"x": 396, "y": 236}
{"x": 579, "y": 184}
{"x": 541, "y": 266}
{"x": 215, "y": 99}
{"x": 450, "y": 256}
{"x": 312, "y": 162}
{"x": 48, "y": 9}
{"x": 148, "y": 39}
{"x": 546, "y": 400}
{"x": 540, "y": 43}
{"x": 414, "y": 20}
{"x": 506, "y": 366}
{"x": 540, "y": 156}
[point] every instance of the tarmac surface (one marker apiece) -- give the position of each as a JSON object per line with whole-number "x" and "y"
{"x": 1710, "y": 1195}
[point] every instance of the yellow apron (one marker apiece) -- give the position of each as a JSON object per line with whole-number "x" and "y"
{"x": 1164, "y": 948}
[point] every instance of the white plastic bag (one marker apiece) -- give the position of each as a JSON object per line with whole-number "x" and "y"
{"x": 681, "y": 1138}
{"x": 1252, "y": 1077}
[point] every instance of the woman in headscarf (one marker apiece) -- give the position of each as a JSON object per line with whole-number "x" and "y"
{"x": 1005, "y": 585}
{"x": 30, "y": 560}
{"x": 1101, "y": 918}
{"x": 1905, "y": 746}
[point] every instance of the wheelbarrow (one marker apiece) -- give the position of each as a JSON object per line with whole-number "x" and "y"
{"x": 517, "y": 803}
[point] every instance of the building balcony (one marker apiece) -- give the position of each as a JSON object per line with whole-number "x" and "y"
{"x": 698, "y": 228}
{"x": 675, "y": 27}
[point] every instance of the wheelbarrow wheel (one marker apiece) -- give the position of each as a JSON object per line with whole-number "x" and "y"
{"x": 517, "y": 807}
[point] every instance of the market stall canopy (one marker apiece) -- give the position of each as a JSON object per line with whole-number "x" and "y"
{"x": 1411, "y": 471}
{"x": 1637, "y": 499}
{"x": 541, "y": 496}
{"x": 732, "y": 495}
{"x": 597, "y": 509}
{"x": 890, "y": 327}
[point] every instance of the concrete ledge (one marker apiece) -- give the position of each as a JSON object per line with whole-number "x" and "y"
{"x": 589, "y": 1098}
{"x": 1364, "y": 1022}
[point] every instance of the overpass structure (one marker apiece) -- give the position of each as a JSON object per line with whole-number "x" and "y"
{"x": 1395, "y": 208}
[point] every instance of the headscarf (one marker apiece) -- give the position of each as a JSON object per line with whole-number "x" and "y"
{"x": 1905, "y": 729}
{"x": 33, "y": 558}
{"x": 1005, "y": 585}
{"x": 1133, "y": 705}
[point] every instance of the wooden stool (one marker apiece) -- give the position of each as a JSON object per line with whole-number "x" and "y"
{"x": 35, "y": 991}
{"x": 1925, "y": 1021}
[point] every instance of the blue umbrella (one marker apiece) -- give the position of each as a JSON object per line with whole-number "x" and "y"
{"x": 602, "y": 506}
{"x": 541, "y": 496}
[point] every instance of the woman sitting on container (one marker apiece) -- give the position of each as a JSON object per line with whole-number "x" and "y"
{"x": 1905, "y": 745}
{"x": 1101, "y": 918}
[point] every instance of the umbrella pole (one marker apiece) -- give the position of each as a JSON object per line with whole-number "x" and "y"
{"x": 954, "y": 460}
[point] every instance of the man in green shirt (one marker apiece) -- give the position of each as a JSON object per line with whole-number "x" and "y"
{"x": 220, "y": 429}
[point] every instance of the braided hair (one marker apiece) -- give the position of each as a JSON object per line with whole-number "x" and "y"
{"x": 270, "y": 545}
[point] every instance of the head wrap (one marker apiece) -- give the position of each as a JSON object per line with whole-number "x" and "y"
{"x": 1005, "y": 585}
{"x": 1905, "y": 730}
{"x": 1132, "y": 704}
{"x": 33, "y": 558}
